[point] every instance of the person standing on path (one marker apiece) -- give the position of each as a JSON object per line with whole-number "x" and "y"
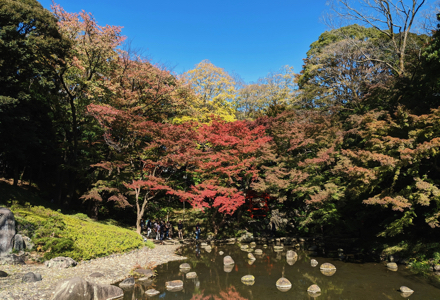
{"x": 198, "y": 230}
{"x": 180, "y": 229}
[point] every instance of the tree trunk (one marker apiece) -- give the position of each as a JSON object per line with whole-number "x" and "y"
{"x": 16, "y": 176}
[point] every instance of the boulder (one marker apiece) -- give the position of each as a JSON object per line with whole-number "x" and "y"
{"x": 251, "y": 256}
{"x": 248, "y": 279}
{"x": 283, "y": 284}
{"x": 313, "y": 262}
{"x": 437, "y": 268}
{"x": 60, "y": 262}
{"x": 96, "y": 274}
{"x": 79, "y": 289}
{"x": 127, "y": 283}
{"x": 3, "y": 274}
{"x": 12, "y": 259}
{"x": 7, "y": 230}
{"x": 290, "y": 254}
{"x": 221, "y": 253}
{"x": 258, "y": 251}
{"x": 191, "y": 275}
{"x": 174, "y": 286}
{"x": 31, "y": 277}
{"x": 392, "y": 266}
{"x": 227, "y": 260}
{"x": 146, "y": 273}
{"x": 18, "y": 242}
{"x": 152, "y": 292}
{"x": 314, "y": 289}
{"x": 28, "y": 243}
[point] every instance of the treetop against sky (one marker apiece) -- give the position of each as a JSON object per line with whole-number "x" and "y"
{"x": 249, "y": 38}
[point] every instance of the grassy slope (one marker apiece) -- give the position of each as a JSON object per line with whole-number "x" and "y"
{"x": 58, "y": 234}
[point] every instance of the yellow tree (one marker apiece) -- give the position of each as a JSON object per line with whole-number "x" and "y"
{"x": 214, "y": 91}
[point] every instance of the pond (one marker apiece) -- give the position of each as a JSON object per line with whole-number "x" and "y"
{"x": 352, "y": 280}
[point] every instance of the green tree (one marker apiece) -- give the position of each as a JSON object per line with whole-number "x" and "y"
{"x": 30, "y": 46}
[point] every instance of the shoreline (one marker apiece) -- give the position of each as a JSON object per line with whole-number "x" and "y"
{"x": 115, "y": 267}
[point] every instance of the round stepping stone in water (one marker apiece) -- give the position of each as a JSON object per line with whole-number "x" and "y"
{"x": 174, "y": 286}
{"x": 251, "y": 256}
{"x": 258, "y": 251}
{"x": 283, "y": 284}
{"x": 152, "y": 292}
{"x": 251, "y": 262}
{"x": 392, "y": 266}
{"x": 96, "y": 274}
{"x": 221, "y": 253}
{"x": 313, "y": 262}
{"x": 191, "y": 275}
{"x": 314, "y": 289}
{"x": 291, "y": 261}
{"x": 328, "y": 269}
{"x": 185, "y": 267}
{"x": 406, "y": 291}
{"x": 228, "y": 268}
{"x": 227, "y": 260}
{"x": 253, "y": 244}
{"x": 291, "y": 254}
{"x": 248, "y": 279}
{"x": 264, "y": 246}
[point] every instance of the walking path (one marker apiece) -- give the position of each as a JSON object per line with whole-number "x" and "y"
{"x": 115, "y": 268}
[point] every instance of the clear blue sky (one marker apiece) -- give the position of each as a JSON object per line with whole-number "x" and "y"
{"x": 250, "y": 38}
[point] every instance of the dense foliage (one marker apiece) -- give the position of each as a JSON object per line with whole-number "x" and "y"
{"x": 350, "y": 145}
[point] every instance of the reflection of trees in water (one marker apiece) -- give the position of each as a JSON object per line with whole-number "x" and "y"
{"x": 230, "y": 294}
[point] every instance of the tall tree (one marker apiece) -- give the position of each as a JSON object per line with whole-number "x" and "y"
{"x": 30, "y": 46}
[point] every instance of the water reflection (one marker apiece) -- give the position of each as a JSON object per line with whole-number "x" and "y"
{"x": 218, "y": 281}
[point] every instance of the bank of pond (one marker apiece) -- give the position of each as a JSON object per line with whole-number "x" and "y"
{"x": 251, "y": 271}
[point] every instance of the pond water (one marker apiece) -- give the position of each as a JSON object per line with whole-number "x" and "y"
{"x": 351, "y": 281}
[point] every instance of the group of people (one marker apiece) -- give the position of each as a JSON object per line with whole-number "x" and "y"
{"x": 161, "y": 230}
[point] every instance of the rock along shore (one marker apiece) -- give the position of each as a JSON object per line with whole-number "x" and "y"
{"x": 115, "y": 268}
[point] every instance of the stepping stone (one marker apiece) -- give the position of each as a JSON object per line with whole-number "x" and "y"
{"x": 185, "y": 266}
{"x": 191, "y": 275}
{"x": 251, "y": 256}
{"x": 314, "y": 289}
{"x": 258, "y": 251}
{"x": 313, "y": 262}
{"x": 227, "y": 260}
{"x": 174, "y": 286}
{"x": 392, "y": 266}
{"x": 283, "y": 284}
{"x": 248, "y": 279}
{"x": 152, "y": 292}
{"x": 327, "y": 269}
{"x": 406, "y": 291}
{"x": 127, "y": 283}
{"x": 221, "y": 253}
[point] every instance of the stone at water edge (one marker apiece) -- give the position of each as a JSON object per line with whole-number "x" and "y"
{"x": 191, "y": 275}
{"x": 145, "y": 272}
{"x": 127, "y": 283}
{"x": 228, "y": 268}
{"x": 31, "y": 277}
{"x": 7, "y": 230}
{"x": 313, "y": 262}
{"x": 152, "y": 292}
{"x": 221, "y": 253}
{"x": 227, "y": 260}
{"x": 258, "y": 251}
{"x": 79, "y": 289}
{"x": 251, "y": 256}
{"x": 314, "y": 288}
{"x": 253, "y": 244}
{"x": 392, "y": 266}
{"x": 174, "y": 286}
{"x": 283, "y": 284}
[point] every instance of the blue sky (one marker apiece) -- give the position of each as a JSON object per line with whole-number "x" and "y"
{"x": 250, "y": 38}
